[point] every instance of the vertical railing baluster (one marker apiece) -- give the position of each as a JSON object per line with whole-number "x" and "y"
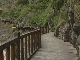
{"x": 18, "y": 47}
{"x": 13, "y": 52}
{"x": 48, "y": 29}
{"x": 32, "y": 43}
{"x": 1, "y": 56}
{"x": 45, "y": 29}
{"x": 35, "y": 40}
{"x": 42, "y": 30}
{"x": 29, "y": 45}
{"x": 26, "y": 47}
{"x": 8, "y": 53}
{"x": 22, "y": 49}
{"x": 18, "y": 50}
{"x": 40, "y": 38}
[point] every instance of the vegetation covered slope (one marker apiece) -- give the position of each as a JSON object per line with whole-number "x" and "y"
{"x": 39, "y": 12}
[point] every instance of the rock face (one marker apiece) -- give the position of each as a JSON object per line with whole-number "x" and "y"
{"x": 76, "y": 28}
{"x": 70, "y": 34}
{"x": 56, "y": 33}
{"x": 63, "y": 32}
{"x": 78, "y": 39}
{"x": 66, "y": 32}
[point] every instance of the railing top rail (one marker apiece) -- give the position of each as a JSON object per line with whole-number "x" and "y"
{"x": 29, "y": 42}
{"x": 5, "y": 44}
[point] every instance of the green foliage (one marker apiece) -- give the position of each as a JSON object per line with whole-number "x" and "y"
{"x": 63, "y": 13}
{"x": 62, "y": 16}
{"x": 57, "y": 4}
{"x": 40, "y": 5}
{"x": 23, "y": 1}
{"x": 5, "y": 14}
{"x": 40, "y": 12}
{"x": 77, "y": 12}
{"x": 39, "y": 18}
{"x": 19, "y": 13}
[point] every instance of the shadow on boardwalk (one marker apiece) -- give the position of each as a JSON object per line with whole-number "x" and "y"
{"x": 55, "y": 49}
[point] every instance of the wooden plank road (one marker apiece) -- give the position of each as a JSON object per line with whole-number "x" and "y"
{"x": 24, "y": 46}
{"x": 54, "y": 49}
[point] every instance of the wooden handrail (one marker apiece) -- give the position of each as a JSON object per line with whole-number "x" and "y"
{"x": 44, "y": 29}
{"x": 23, "y": 46}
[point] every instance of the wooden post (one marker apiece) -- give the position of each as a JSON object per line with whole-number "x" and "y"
{"x": 29, "y": 45}
{"x": 34, "y": 41}
{"x": 8, "y": 53}
{"x": 48, "y": 28}
{"x": 26, "y": 47}
{"x": 18, "y": 47}
{"x": 22, "y": 49}
{"x": 40, "y": 38}
{"x": 13, "y": 52}
{"x": 42, "y": 30}
{"x": 1, "y": 56}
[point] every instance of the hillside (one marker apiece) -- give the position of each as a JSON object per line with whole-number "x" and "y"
{"x": 38, "y": 12}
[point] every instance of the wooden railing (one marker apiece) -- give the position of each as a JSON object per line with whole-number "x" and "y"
{"x": 23, "y": 46}
{"x": 44, "y": 29}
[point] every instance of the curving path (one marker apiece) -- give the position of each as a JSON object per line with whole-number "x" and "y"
{"x": 55, "y": 49}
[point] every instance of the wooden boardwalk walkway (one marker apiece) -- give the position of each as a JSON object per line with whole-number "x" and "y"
{"x": 54, "y": 49}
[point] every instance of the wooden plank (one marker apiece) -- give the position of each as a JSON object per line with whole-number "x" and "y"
{"x": 26, "y": 47}
{"x": 22, "y": 49}
{"x": 8, "y": 53}
{"x": 42, "y": 30}
{"x": 35, "y": 40}
{"x": 1, "y": 56}
{"x": 13, "y": 52}
{"x": 18, "y": 47}
{"x": 40, "y": 39}
{"x": 32, "y": 43}
{"x": 48, "y": 29}
{"x": 29, "y": 45}
{"x": 18, "y": 50}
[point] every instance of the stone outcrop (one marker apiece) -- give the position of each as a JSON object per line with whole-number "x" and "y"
{"x": 70, "y": 34}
